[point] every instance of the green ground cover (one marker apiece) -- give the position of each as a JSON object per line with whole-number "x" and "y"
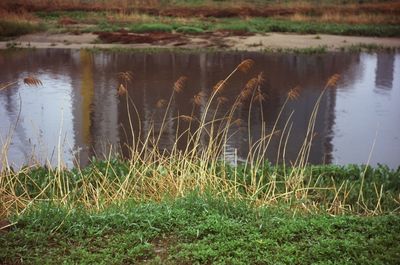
{"x": 197, "y": 229}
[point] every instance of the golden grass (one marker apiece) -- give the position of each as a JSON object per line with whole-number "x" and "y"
{"x": 154, "y": 173}
{"x": 129, "y": 17}
{"x": 20, "y": 16}
{"x": 338, "y": 17}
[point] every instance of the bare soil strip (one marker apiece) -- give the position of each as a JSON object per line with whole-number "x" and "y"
{"x": 217, "y": 40}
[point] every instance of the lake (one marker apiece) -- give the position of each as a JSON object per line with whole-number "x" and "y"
{"x": 77, "y": 113}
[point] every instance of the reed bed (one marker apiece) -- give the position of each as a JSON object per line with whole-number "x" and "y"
{"x": 152, "y": 173}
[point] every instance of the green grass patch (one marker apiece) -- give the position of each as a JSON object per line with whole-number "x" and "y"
{"x": 234, "y": 25}
{"x": 281, "y": 25}
{"x": 80, "y": 16}
{"x": 362, "y": 47}
{"x": 190, "y": 30}
{"x": 150, "y": 27}
{"x": 310, "y": 50}
{"x": 197, "y": 229}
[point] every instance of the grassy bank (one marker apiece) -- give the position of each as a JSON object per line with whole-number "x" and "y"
{"x": 370, "y": 18}
{"x": 332, "y": 189}
{"x": 136, "y": 22}
{"x": 16, "y": 24}
{"x": 197, "y": 229}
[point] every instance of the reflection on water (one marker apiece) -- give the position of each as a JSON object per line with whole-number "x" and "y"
{"x": 77, "y": 113}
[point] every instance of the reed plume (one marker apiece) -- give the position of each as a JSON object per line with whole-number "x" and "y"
{"x": 125, "y": 76}
{"x": 219, "y": 86}
{"x": 251, "y": 84}
{"x": 294, "y": 93}
{"x": 222, "y": 100}
{"x": 244, "y": 95}
{"x": 238, "y": 122}
{"x": 245, "y": 65}
{"x": 29, "y": 80}
{"x": 32, "y": 81}
{"x": 197, "y": 99}
{"x": 332, "y": 81}
{"x": 122, "y": 90}
{"x": 161, "y": 103}
{"x": 260, "y": 96}
{"x": 179, "y": 84}
{"x": 261, "y": 77}
{"x": 186, "y": 118}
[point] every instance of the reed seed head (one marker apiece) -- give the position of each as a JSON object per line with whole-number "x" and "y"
{"x": 219, "y": 86}
{"x": 332, "y": 81}
{"x": 261, "y": 78}
{"x": 125, "y": 76}
{"x": 32, "y": 81}
{"x": 202, "y": 94}
{"x": 185, "y": 118}
{"x": 245, "y": 94}
{"x": 260, "y": 96}
{"x": 179, "y": 84}
{"x": 122, "y": 90}
{"x": 161, "y": 103}
{"x": 222, "y": 100}
{"x": 245, "y": 65}
{"x": 238, "y": 122}
{"x": 196, "y": 100}
{"x": 251, "y": 84}
{"x": 294, "y": 93}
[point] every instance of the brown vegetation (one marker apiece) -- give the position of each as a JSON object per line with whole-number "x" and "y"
{"x": 123, "y": 36}
{"x": 210, "y": 9}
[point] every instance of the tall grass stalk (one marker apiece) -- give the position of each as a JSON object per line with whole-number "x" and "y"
{"x": 152, "y": 173}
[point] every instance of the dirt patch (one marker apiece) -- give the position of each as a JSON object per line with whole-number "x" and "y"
{"x": 5, "y": 226}
{"x": 213, "y": 38}
{"x": 161, "y": 247}
{"x": 64, "y": 21}
{"x": 150, "y": 38}
{"x": 219, "y": 40}
{"x": 228, "y": 33}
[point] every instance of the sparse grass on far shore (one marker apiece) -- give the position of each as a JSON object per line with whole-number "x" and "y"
{"x": 146, "y": 23}
{"x": 368, "y": 19}
{"x": 16, "y": 24}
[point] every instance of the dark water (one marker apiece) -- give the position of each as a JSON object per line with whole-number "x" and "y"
{"x": 78, "y": 111}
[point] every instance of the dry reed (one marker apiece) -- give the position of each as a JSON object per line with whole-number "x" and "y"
{"x": 153, "y": 173}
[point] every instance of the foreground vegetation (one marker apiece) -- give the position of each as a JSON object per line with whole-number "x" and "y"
{"x": 197, "y": 229}
{"x": 192, "y": 206}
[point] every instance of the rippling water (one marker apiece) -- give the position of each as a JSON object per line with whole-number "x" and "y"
{"x": 77, "y": 113}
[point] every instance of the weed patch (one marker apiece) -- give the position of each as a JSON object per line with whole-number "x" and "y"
{"x": 17, "y": 28}
{"x": 154, "y": 27}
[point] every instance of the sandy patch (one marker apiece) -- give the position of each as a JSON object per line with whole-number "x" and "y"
{"x": 256, "y": 42}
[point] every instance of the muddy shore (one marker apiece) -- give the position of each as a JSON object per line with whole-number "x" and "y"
{"x": 221, "y": 40}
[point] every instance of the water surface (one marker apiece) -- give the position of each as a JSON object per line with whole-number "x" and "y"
{"x": 77, "y": 113}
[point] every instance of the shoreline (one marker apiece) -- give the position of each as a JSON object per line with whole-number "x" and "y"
{"x": 271, "y": 42}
